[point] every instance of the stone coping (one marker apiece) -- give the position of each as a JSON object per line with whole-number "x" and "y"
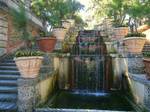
{"x": 141, "y": 78}
{"x": 58, "y": 54}
{"x": 74, "y": 110}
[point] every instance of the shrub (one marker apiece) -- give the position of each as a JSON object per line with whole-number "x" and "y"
{"x": 27, "y": 53}
{"x": 135, "y": 35}
{"x": 146, "y": 54}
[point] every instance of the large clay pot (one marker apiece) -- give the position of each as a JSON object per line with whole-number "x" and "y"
{"x": 134, "y": 44}
{"x": 47, "y": 44}
{"x": 29, "y": 66}
{"x": 147, "y": 67}
{"x": 120, "y": 32}
{"x": 60, "y": 33}
{"x": 143, "y": 28}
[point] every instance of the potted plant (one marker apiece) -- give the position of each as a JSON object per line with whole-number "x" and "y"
{"x": 134, "y": 42}
{"x": 46, "y": 43}
{"x": 66, "y": 24}
{"x": 146, "y": 61}
{"x": 27, "y": 61}
{"x": 59, "y": 33}
{"x": 120, "y": 31}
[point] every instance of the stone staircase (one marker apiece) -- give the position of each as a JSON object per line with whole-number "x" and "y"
{"x": 8, "y": 85}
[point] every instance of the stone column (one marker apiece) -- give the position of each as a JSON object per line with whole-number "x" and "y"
{"x": 63, "y": 73}
{"x": 27, "y": 94}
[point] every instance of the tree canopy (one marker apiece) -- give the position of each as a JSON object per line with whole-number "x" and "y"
{"x": 53, "y": 11}
{"x": 119, "y": 9}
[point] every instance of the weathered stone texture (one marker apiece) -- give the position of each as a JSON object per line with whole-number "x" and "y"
{"x": 27, "y": 94}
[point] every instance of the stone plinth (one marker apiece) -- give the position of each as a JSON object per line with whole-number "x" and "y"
{"x": 135, "y": 64}
{"x": 140, "y": 88}
{"x": 27, "y": 94}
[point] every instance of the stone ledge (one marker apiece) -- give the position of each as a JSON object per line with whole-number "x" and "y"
{"x": 74, "y": 110}
{"x": 141, "y": 78}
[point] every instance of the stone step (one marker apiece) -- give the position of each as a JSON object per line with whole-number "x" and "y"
{"x": 8, "y": 61}
{"x": 12, "y": 72}
{"x": 8, "y": 82}
{"x": 9, "y": 77}
{"x": 8, "y": 89}
{"x": 8, "y": 107}
{"x": 8, "y": 68}
{"x": 74, "y": 110}
{"x": 7, "y": 64}
{"x": 8, "y": 97}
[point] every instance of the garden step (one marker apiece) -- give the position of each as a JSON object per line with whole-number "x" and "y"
{"x": 8, "y": 68}
{"x": 11, "y": 77}
{"x": 8, "y": 107}
{"x": 8, "y": 97}
{"x": 8, "y": 89}
{"x": 7, "y": 64}
{"x": 8, "y": 61}
{"x": 8, "y": 82}
{"x": 9, "y": 72}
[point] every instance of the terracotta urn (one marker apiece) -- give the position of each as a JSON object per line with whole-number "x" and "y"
{"x": 29, "y": 66}
{"x": 120, "y": 32}
{"x": 134, "y": 44}
{"x": 47, "y": 44}
{"x": 59, "y": 33}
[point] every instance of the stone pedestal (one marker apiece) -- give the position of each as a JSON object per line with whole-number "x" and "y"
{"x": 63, "y": 73}
{"x": 27, "y": 94}
{"x": 135, "y": 64}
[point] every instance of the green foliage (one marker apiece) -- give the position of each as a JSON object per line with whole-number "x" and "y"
{"x": 120, "y": 25}
{"x": 136, "y": 34}
{"x": 46, "y": 34}
{"x": 113, "y": 51}
{"x": 114, "y": 9}
{"x": 53, "y": 11}
{"x": 139, "y": 9}
{"x": 119, "y": 9}
{"x": 146, "y": 54}
{"x": 79, "y": 22}
{"x": 20, "y": 22}
{"x": 27, "y": 53}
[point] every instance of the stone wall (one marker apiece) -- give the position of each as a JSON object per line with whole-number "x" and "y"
{"x": 35, "y": 91}
{"x": 11, "y": 41}
{"x": 140, "y": 88}
{"x": 129, "y": 71}
{"x": 3, "y": 33}
{"x": 62, "y": 65}
{"x": 47, "y": 87}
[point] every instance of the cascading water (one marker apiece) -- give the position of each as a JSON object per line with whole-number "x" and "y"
{"x": 89, "y": 79}
{"x": 89, "y": 61}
